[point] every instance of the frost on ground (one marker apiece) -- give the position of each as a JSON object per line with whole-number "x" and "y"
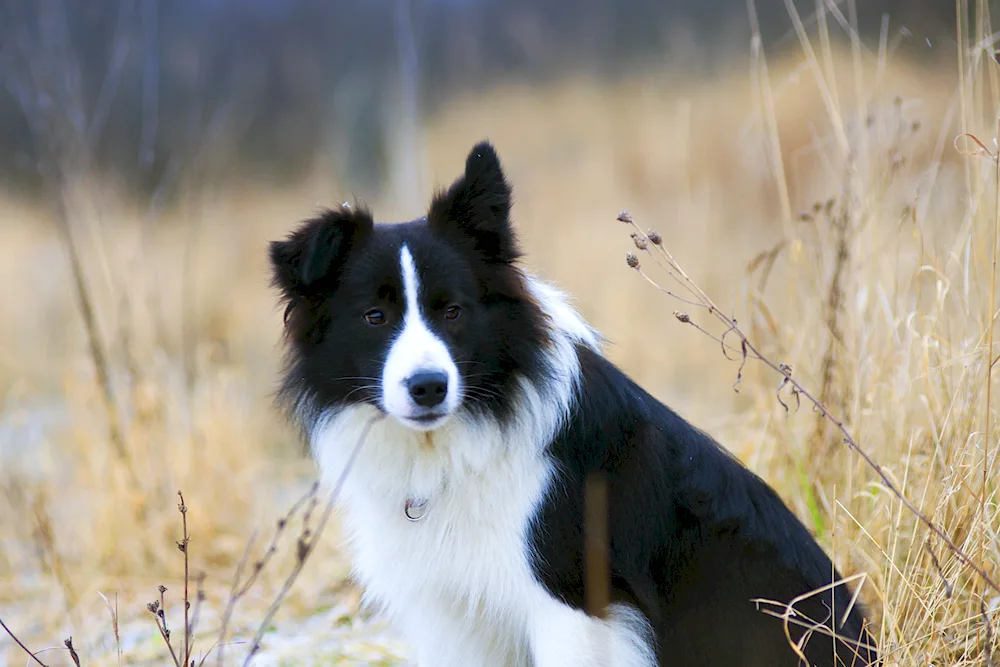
{"x": 330, "y": 630}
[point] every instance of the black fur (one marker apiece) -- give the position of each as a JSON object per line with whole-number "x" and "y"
{"x": 695, "y": 536}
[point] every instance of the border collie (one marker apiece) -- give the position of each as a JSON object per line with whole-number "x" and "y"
{"x": 487, "y": 401}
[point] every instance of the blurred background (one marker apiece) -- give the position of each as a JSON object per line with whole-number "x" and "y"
{"x": 798, "y": 157}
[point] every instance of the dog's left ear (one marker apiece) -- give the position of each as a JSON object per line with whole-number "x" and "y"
{"x": 477, "y": 205}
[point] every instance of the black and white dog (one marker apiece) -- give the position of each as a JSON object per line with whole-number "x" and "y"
{"x": 492, "y": 403}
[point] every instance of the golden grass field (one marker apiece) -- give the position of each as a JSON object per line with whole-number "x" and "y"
{"x": 870, "y": 276}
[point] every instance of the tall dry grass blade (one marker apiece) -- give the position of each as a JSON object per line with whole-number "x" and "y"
{"x": 859, "y": 72}
{"x": 759, "y": 74}
{"x": 113, "y": 612}
{"x": 97, "y": 354}
{"x": 826, "y": 87}
{"x": 991, "y": 308}
{"x": 961, "y": 20}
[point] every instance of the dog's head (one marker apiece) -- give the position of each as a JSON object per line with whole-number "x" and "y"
{"x": 423, "y": 319}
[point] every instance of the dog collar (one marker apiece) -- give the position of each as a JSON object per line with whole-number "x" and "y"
{"x": 415, "y": 509}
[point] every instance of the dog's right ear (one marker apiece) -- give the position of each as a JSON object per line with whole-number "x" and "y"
{"x": 310, "y": 260}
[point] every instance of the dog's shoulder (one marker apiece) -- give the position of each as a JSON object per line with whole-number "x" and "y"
{"x": 670, "y": 467}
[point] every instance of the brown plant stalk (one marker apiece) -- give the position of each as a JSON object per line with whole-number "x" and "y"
{"x": 183, "y": 546}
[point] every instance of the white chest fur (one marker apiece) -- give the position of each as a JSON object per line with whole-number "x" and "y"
{"x": 458, "y": 580}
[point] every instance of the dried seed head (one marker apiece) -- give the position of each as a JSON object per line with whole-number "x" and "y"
{"x": 624, "y": 217}
{"x": 654, "y": 237}
{"x": 640, "y": 242}
{"x": 153, "y": 606}
{"x": 683, "y": 317}
{"x": 302, "y": 550}
{"x": 632, "y": 260}
{"x": 162, "y": 589}
{"x": 805, "y": 217}
{"x": 785, "y": 368}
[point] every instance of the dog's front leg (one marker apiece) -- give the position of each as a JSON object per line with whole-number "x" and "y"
{"x": 562, "y": 636}
{"x": 441, "y": 636}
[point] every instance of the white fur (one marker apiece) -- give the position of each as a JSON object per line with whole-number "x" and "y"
{"x": 566, "y": 637}
{"x": 458, "y": 583}
{"x": 416, "y": 349}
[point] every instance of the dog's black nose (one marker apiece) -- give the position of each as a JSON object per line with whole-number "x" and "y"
{"x": 428, "y": 388}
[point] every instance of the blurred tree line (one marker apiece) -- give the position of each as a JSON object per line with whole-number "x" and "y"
{"x": 273, "y": 82}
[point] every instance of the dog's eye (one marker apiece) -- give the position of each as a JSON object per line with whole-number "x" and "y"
{"x": 452, "y": 312}
{"x": 375, "y": 317}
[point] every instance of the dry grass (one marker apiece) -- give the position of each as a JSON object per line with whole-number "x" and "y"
{"x": 880, "y": 301}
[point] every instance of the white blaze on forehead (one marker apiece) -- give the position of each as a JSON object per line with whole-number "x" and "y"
{"x": 411, "y": 285}
{"x": 416, "y": 348}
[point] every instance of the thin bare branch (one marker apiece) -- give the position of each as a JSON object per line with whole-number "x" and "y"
{"x": 800, "y": 390}
{"x": 239, "y": 587}
{"x": 20, "y": 643}
{"x": 161, "y": 626}
{"x": 183, "y": 546}
{"x": 307, "y": 543}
